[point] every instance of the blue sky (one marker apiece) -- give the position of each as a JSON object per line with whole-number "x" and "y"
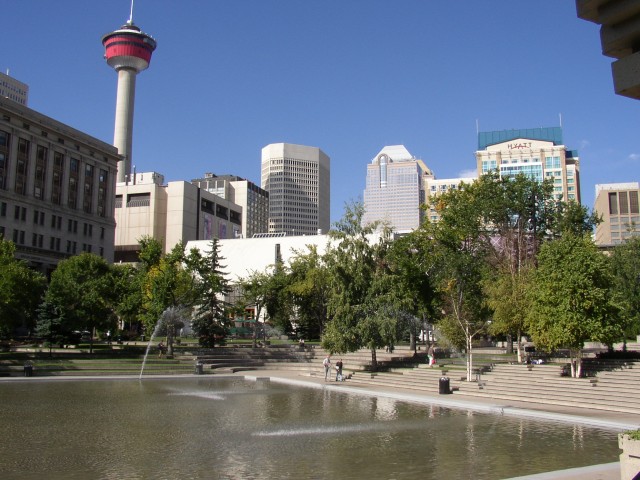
{"x": 348, "y": 76}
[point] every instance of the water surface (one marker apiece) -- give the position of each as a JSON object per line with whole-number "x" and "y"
{"x": 228, "y": 428}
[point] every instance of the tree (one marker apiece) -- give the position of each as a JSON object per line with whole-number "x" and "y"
{"x": 625, "y": 262}
{"x": 309, "y": 291}
{"x": 570, "y": 298}
{"x": 254, "y": 294}
{"x": 277, "y": 300}
{"x": 211, "y": 320}
{"x": 81, "y": 290}
{"x": 460, "y": 250}
{"x": 127, "y": 281}
{"x": 360, "y": 287}
{"x": 411, "y": 263}
{"x": 517, "y": 212}
{"x": 165, "y": 284}
{"x": 21, "y": 291}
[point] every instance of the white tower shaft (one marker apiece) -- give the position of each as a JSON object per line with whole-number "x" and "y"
{"x": 123, "y": 132}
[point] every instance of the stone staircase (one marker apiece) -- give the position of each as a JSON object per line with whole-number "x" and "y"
{"x": 290, "y": 358}
{"x": 614, "y": 386}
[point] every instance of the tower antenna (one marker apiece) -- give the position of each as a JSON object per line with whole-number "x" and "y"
{"x": 130, "y": 22}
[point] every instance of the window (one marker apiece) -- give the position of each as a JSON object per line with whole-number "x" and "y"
{"x": 41, "y": 170}
{"x": 74, "y": 173}
{"x": 613, "y": 203}
{"x": 633, "y": 202}
{"x": 56, "y": 178}
{"x": 87, "y": 198}
{"x": 4, "y": 163}
{"x": 103, "y": 184}
{"x": 22, "y": 166}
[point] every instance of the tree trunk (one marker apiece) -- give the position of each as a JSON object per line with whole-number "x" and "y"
{"x": 374, "y": 360}
{"x": 519, "y": 346}
{"x": 469, "y": 360}
{"x": 509, "y": 344}
{"x": 412, "y": 342}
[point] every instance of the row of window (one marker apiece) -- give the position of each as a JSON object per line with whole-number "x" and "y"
{"x": 49, "y": 176}
{"x": 37, "y": 241}
{"x": 20, "y": 214}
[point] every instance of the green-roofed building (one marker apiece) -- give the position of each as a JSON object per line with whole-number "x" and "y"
{"x": 538, "y": 153}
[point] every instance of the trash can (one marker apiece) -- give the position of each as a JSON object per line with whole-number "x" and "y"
{"x": 28, "y": 370}
{"x": 444, "y": 386}
{"x": 199, "y": 368}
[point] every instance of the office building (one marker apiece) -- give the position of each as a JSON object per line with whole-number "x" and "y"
{"x": 170, "y": 213}
{"x": 538, "y": 153}
{"x": 297, "y": 179}
{"x": 57, "y": 188}
{"x": 13, "y": 89}
{"x": 395, "y": 189}
{"x": 253, "y": 199}
{"x": 620, "y": 37}
{"x": 435, "y": 187}
{"x": 617, "y": 204}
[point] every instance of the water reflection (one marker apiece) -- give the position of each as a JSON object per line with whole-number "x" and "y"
{"x": 228, "y": 429}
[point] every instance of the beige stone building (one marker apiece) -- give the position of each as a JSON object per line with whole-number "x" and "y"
{"x": 538, "y": 153}
{"x": 297, "y": 178}
{"x": 169, "y": 212}
{"x": 253, "y": 199}
{"x": 617, "y": 204}
{"x": 14, "y": 89}
{"x": 57, "y": 188}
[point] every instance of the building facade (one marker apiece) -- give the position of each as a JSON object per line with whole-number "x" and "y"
{"x": 435, "y": 187}
{"x": 14, "y": 90}
{"x": 253, "y": 199}
{"x": 395, "y": 189}
{"x": 297, "y": 178}
{"x": 57, "y": 188}
{"x": 620, "y": 37}
{"x": 538, "y": 153}
{"x": 170, "y": 213}
{"x": 617, "y": 204}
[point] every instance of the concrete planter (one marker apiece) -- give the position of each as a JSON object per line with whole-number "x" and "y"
{"x": 630, "y": 457}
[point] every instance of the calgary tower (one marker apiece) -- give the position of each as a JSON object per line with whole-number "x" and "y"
{"x": 128, "y": 50}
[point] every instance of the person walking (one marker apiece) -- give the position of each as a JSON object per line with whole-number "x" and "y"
{"x": 339, "y": 377}
{"x": 327, "y": 366}
{"x": 431, "y": 355}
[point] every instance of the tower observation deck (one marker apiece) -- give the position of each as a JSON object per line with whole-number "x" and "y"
{"x": 128, "y": 50}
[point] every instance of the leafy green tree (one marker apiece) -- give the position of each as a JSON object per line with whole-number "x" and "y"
{"x": 21, "y": 291}
{"x": 51, "y": 325}
{"x": 625, "y": 262}
{"x": 166, "y": 284}
{"x": 127, "y": 281}
{"x": 309, "y": 291}
{"x": 254, "y": 290}
{"x": 570, "y": 298}
{"x": 360, "y": 287}
{"x": 82, "y": 292}
{"x": 277, "y": 301}
{"x": 211, "y": 316}
{"x": 411, "y": 263}
{"x": 460, "y": 249}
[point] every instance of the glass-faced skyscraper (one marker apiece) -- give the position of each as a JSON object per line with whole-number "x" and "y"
{"x": 395, "y": 189}
{"x": 297, "y": 179}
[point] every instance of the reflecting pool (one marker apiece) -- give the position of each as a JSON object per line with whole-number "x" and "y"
{"x": 228, "y": 428}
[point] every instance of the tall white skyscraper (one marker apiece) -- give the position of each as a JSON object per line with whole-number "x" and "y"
{"x": 297, "y": 178}
{"x": 395, "y": 189}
